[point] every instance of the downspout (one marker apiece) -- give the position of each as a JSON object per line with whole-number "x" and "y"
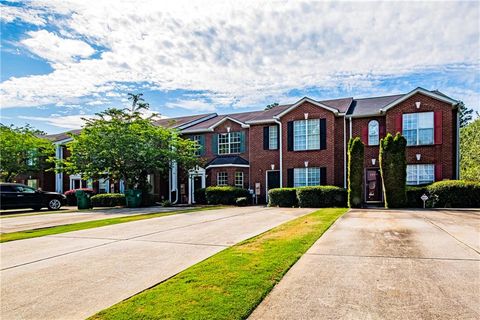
{"x": 175, "y": 181}
{"x": 457, "y": 152}
{"x": 344, "y": 151}
{"x": 350, "y": 118}
{"x": 281, "y": 150}
{"x": 170, "y": 185}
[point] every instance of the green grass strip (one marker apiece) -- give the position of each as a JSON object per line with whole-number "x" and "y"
{"x": 230, "y": 284}
{"x": 40, "y": 232}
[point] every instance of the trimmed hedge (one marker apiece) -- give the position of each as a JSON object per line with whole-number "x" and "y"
{"x": 413, "y": 196}
{"x": 282, "y": 197}
{"x": 108, "y": 200}
{"x": 355, "y": 172}
{"x": 199, "y": 196}
{"x": 225, "y": 195}
{"x": 454, "y": 194}
{"x": 393, "y": 167}
{"x": 321, "y": 197}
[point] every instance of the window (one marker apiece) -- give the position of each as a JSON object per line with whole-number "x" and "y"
{"x": 306, "y": 135}
{"x": 239, "y": 179}
{"x": 273, "y": 137}
{"x": 222, "y": 179}
{"x": 33, "y": 183}
{"x": 24, "y": 189}
{"x": 103, "y": 186}
{"x": 303, "y": 177}
{"x": 229, "y": 142}
{"x": 420, "y": 173}
{"x": 373, "y": 131}
{"x": 198, "y": 140}
{"x": 32, "y": 158}
{"x": 418, "y": 128}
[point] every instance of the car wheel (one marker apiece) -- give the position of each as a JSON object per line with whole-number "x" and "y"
{"x": 37, "y": 208}
{"x": 54, "y": 204}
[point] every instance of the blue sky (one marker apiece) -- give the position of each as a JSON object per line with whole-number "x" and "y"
{"x": 64, "y": 60}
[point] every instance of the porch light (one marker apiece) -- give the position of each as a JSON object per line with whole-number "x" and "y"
{"x": 418, "y": 104}
{"x": 374, "y": 161}
{"x": 272, "y": 166}
{"x": 418, "y": 155}
{"x": 306, "y": 164}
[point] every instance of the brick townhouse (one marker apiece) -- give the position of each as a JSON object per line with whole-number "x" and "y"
{"x": 301, "y": 144}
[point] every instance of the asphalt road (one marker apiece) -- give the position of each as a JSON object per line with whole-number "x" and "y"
{"x": 74, "y": 275}
{"x": 377, "y": 264}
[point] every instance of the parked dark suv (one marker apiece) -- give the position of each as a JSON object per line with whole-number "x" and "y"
{"x": 20, "y": 196}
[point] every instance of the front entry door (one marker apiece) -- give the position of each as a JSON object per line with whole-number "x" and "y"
{"x": 273, "y": 180}
{"x": 373, "y": 186}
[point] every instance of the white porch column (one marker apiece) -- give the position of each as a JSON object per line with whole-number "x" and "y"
{"x": 59, "y": 175}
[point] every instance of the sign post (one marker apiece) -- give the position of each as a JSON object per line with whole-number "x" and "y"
{"x": 424, "y": 198}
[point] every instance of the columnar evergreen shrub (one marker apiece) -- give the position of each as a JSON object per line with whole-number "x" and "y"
{"x": 108, "y": 200}
{"x": 355, "y": 172}
{"x": 225, "y": 195}
{"x": 454, "y": 194}
{"x": 393, "y": 168}
{"x": 321, "y": 197}
{"x": 282, "y": 197}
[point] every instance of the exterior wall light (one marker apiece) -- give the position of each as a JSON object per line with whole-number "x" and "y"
{"x": 272, "y": 166}
{"x": 306, "y": 164}
{"x": 306, "y": 116}
{"x": 418, "y": 104}
{"x": 419, "y": 156}
{"x": 228, "y": 129}
{"x": 374, "y": 161}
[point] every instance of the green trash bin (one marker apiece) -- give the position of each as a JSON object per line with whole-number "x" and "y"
{"x": 133, "y": 198}
{"x": 83, "y": 199}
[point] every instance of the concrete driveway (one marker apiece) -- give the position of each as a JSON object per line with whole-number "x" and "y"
{"x": 377, "y": 264}
{"x": 74, "y": 275}
{"x": 29, "y": 222}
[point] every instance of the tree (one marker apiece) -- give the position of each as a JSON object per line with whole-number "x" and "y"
{"x": 393, "y": 168}
{"x": 470, "y": 151}
{"x": 138, "y": 103}
{"x": 355, "y": 172}
{"x": 119, "y": 144}
{"x": 465, "y": 114}
{"x": 22, "y": 150}
{"x": 270, "y": 106}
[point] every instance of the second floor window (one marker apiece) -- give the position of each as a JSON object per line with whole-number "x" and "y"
{"x": 418, "y": 128}
{"x": 199, "y": 140}
{"x": 273, "y": 137}
{"x": 32, "y": 158}
{"x": 222, "y": 179}
{"x": 373, "y": 131}
{"x": 229, "y": 142}
{"x": 306, "y": 134}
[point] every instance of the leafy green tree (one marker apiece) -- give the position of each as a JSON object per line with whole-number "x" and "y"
{"x": 355, "y": 172}
{"x": 22, "y": 150}
{"x": 393, "y": 168}
{"x": 270, "y": 106}
{"x": 120, "y": 144}
{"x": 470, "y": 151}
{"x": 465, "y": 114}
{"x": 138, "y": 103}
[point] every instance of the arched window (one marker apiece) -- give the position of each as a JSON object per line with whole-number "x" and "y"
{"x": 373, "y": 131}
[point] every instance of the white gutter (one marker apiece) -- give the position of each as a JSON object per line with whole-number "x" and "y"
{"x": 344, "y": 152}
{"x": 281, "y": 151}
{"x": 457, "y": 152}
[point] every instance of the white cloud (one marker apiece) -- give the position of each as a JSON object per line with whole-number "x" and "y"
{"x": 67, "y": 122}
{"x": 51, "y": 47}
{"x": 14, "y": 14}
{"x": 241, "y": 53}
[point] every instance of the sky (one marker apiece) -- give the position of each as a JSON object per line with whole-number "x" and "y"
{"x": 62, "y": 61}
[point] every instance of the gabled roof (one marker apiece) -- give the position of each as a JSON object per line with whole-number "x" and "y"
{"x": 303, "y": 100}
{"x": 371, "y": 106}
{"x": 184, "y": 122}
{"x": 439, "y": 96}
{"x": 64, "y": 136}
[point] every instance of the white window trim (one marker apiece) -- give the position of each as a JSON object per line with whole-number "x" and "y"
{"x": 418, "y": 128}
{"x": 218, "y": 178}
{"x": 197, "y": 138}
{"x": 242, "y": 178}
{"x": 377, "y": 135}
{"x": 274, "y": 136}
{"x": 306, "y": 170}
{"x": 229, "y": 143}
{"x": 306, "y": 135}
{"x": 417, "y": 167}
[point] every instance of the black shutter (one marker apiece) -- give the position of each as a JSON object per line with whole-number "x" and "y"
{"x": 290, "y": 136}
{"x": 289, "y": 178}
{"x": 266, "y": 131}
{"x": 323, "y": 134}
{"x": 323, "y": 176}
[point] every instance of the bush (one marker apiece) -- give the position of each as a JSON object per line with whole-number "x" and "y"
{"x": 72, "y": 199}
{"x": 321, "y": 197}
{"x": 414, "y": 194}
{"x": 393, "y": 167}
{"x": 282, "y": 197}
{"x": 355, "y": 172}
{"x": 241, "y": 202}
{"x": 199, "y": 196}
{"x": 225, "y": 195}
{"x": 108, "y": 200}
{"x": 455, "y": 194}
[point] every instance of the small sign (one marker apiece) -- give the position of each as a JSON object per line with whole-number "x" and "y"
{"x": 424, "y": 198}
{"x": 257, "y": 188}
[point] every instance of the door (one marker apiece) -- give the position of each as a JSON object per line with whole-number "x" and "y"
{"x": 373, "y": 186}
{"x": 273, "y": 180}
{"x": 197, "y": 183}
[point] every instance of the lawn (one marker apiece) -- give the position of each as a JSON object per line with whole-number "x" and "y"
{"x": 230, "y": 284}
{"x": 40, "y": 232}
